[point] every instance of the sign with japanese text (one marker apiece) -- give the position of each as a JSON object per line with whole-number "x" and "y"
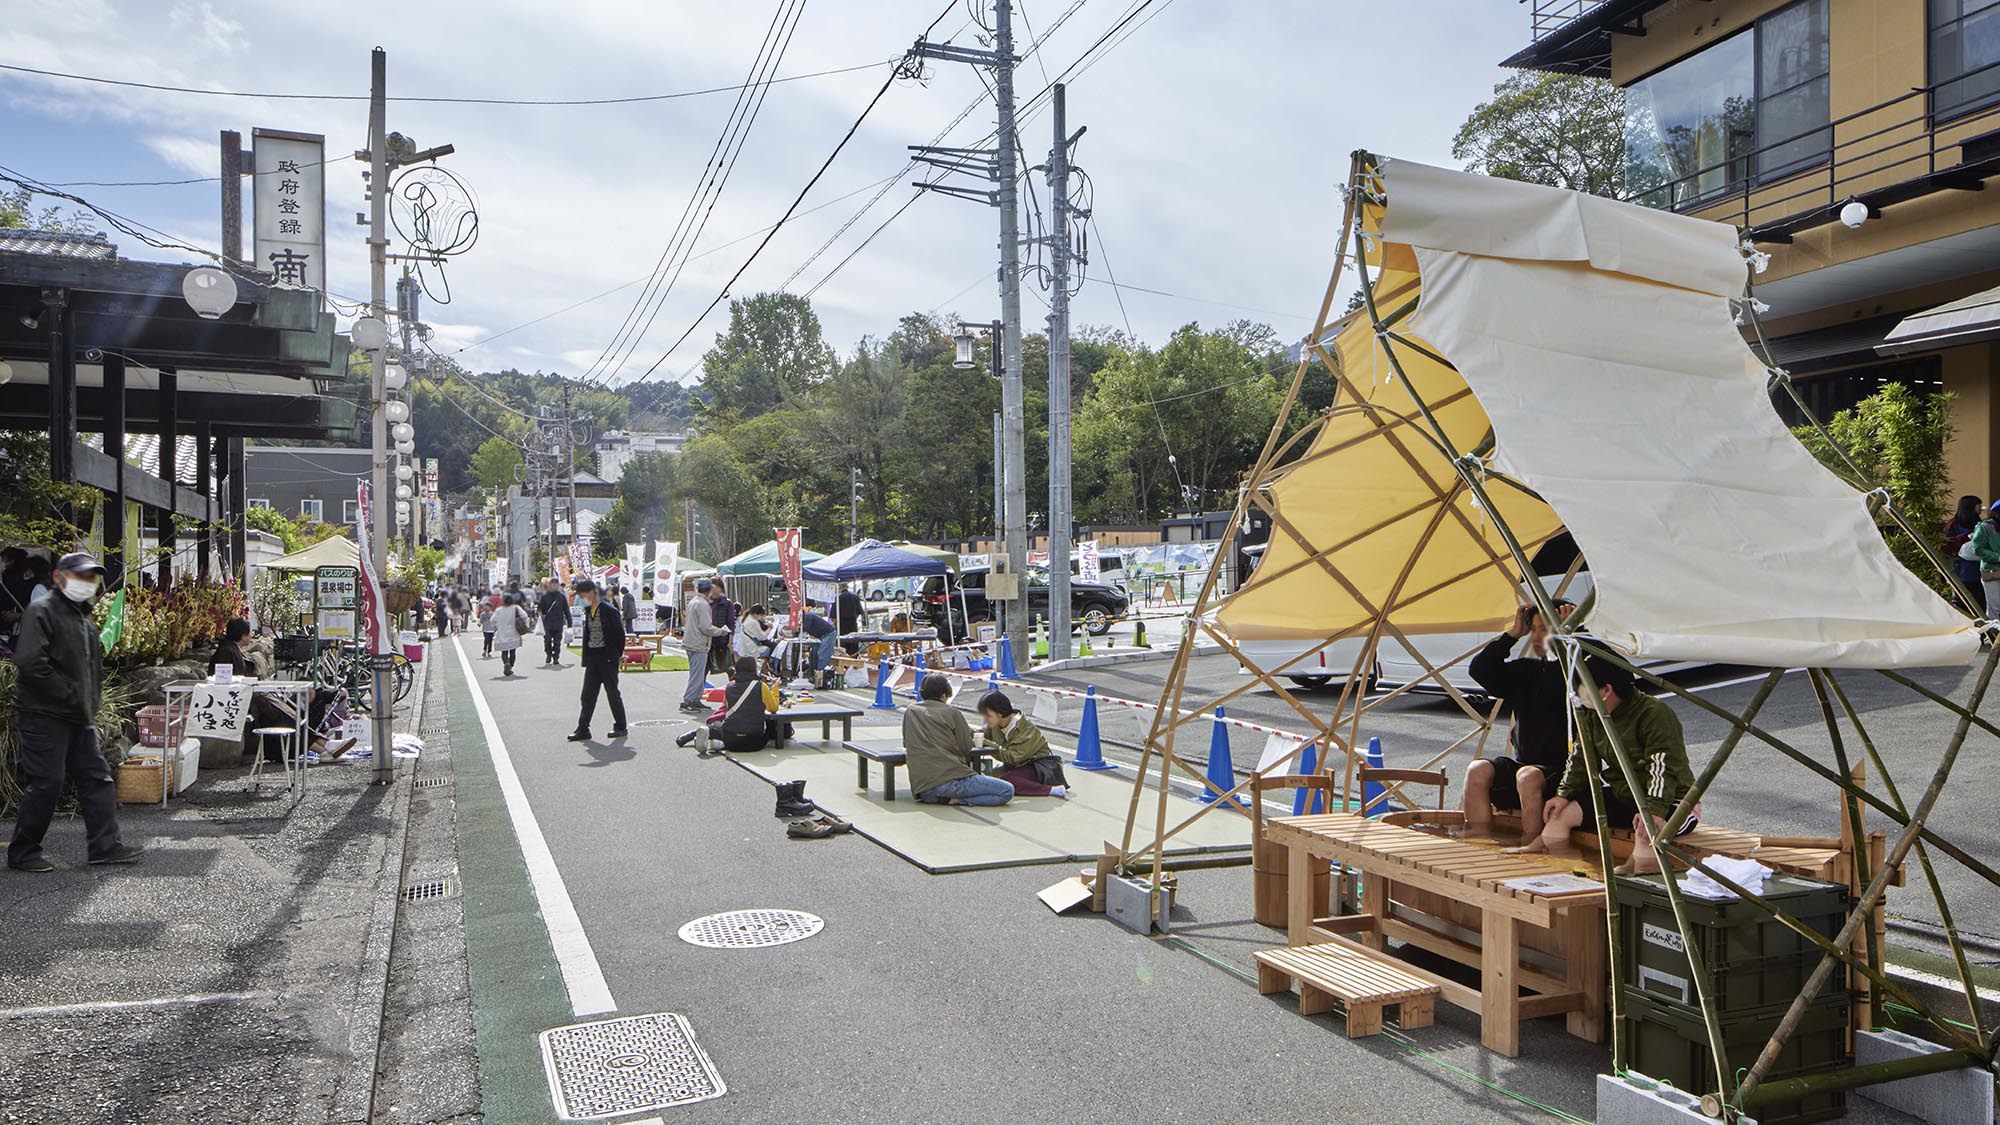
{"x": 336, "y": 597}
{"x": 666, "y": 568}
{"x": 788, "y": 566}
{"x": 219, "y": 711}
{"x": 289, "y": 201}
{"x": 1087, "y": 562}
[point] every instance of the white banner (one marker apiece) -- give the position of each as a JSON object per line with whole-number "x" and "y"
{"x": 666, "y": 572}
{"x": 220, "y": 711}
{"x": 289, "y": 207}
{"x": 646, "y": 617}
{"x": 632, "y": 572}
{"x": 1086, "y": 563}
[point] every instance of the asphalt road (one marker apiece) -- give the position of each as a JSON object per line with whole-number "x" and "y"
{"x": 925, "y": 997}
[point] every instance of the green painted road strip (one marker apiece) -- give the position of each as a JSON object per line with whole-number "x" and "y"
{"x": 517, "y": 990}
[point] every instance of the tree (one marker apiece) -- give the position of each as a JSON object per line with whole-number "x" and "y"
{"x": 276, "y": 523}
{"x": 1897, "y": 439}
{"x": 1562, "y": 130}
{"x": 17, "y": 210}
{"x": 494, "y": 463}
{"x": 772, "y": 353}
{"x": 729, "y": 497}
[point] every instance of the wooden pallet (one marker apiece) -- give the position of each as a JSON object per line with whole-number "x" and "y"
{"x": 1363, "y": 981}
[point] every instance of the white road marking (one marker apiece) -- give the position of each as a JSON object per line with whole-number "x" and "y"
{"x": 120, "y": 1005}
{"x": 582, "y": 976}
{"x": 1742, "y": 680}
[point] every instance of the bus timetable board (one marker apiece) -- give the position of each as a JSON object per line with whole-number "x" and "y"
{"x": 336, "y": 597}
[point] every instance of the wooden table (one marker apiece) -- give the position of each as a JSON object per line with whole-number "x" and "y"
{"x": 888, "y": 752}
{"x": 825, "y": 714}
{"x": 1403, "y": 866}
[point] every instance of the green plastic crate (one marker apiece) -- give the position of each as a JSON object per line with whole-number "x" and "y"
{"x": 1753, "y": 960}
{"x": 1669, "y": 1042}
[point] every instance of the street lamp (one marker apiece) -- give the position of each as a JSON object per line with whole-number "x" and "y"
{"x": 393, "y": 376}
{"x": 962, "y": 342}
{"x": 397, "y": 410}
{"x": 368, "y": 334}
{"x": 210, "y": 292}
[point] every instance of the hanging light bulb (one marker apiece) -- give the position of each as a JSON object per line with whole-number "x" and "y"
{"x": 403, "y": 492}
{"x": 397, "y": 410}
{"x": 403, "y": 431}
{"x": 405, "y": 448}
{"x": 393, "y": 376}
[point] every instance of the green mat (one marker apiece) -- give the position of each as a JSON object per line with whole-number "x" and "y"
{"x": 943, "y": 839}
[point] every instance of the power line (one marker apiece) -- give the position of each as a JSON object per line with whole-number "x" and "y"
{"x": 634, "y": 99}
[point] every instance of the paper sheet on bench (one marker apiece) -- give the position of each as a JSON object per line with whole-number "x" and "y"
{"x": 1552, "y": 885}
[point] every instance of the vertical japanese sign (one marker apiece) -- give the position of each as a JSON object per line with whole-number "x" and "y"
{"x": 788, "y": 566}
{"x": 1086, "y": 563}
{"x": 633, "y": 574}
{"x": 579, "y": 551}
{"x": 290, "y": 207}
{"x": 666, "y": 565}
{"x": 375, "y": 612}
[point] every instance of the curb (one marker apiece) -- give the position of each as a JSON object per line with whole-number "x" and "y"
{"x": 1128, "y": 656}
{"x": 355, "y": 1101}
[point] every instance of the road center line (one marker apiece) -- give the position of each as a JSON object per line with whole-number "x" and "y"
{"x": 582, "y": 976}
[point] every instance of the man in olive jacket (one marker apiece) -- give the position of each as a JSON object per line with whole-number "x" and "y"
{"x": 61, "y": 664}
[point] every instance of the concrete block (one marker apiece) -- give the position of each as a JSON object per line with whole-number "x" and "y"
{"x": 1636, "y": 1100}
{"x": 1952, "y": 1097}
{"x": 1135, "y": 904}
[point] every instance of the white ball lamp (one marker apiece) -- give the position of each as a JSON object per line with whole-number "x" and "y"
{"x": 397, "y": 410}
{"x": 394, "y": 376}
{"x": 210, "y": 292}
{"x": 403, "y": 431}
{"x": 1853, "y": 213}
{"x": 405, "y": 448}
{"x": 368, "y": 334}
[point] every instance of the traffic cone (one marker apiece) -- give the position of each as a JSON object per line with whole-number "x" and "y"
{"x": 885, "y": 700}
{"x": 992, "y": 684}
{"x": 918, "y": 682}
{"x": 1221, "y": 770}
{"x": 1040, "y": 651}
{"x": 1007, "y": 658}
{"x": 1083, "y": 642}
{"x": 1373, "y": 789}
{"x": 1139, "y": 633}
{"x": 1308, "y": 762}
{"x": 1089, "y": 747}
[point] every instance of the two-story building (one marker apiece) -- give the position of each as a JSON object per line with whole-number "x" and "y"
{"x": 1856, "y": 142}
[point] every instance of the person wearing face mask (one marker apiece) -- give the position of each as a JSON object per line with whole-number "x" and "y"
{"x": 603, "y": 645}
{"x": 61, "y": 668}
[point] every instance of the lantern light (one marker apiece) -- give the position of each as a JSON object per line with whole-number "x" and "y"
{"x": 403, "y": 492}
{"x": 397, "y": 410}
{"x": 1854, "y": 212}
{"x": 368, "y": 334}
{"x": 406, "y": 448}
{"x": 962, "y": 345}
{"x": 210, "y": 292}
{"x": 403, "y": 431}
{"x": 404, "y": 472}
{"x": 393, "y": 376}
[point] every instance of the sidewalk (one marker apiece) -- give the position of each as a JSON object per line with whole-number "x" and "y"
{"x": 235, "y": 974}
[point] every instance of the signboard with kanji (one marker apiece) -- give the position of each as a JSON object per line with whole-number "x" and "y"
{"x": 219, "y": 711}
{"x": 336, "y": 597}
{"x": 289, "y": 207}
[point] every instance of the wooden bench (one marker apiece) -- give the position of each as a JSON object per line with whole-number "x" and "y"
{"x": 889, "y": 753}
{"x": 638, "y": 658}
{"x": 1362, "y": 980}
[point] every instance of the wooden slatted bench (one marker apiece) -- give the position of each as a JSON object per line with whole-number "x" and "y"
{"x": 1362, "y": 980}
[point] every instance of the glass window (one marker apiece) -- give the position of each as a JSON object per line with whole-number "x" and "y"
{"x": 349, "y": 509}
{"x": 1792, "y": 90}
{"x": 1965, "y": 37}
{"x": 1688, "y": 129}
{"x": 309, "y": 509}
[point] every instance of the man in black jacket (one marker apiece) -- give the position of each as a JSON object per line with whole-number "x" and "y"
{"x": 554, "y": 609}
{"x": 603, "y": 643}
{"x": 61, "y": 669}
{"x": 1534, "y": 690}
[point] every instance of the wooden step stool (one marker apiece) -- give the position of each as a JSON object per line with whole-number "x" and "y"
{"x": 1362, "y": 980}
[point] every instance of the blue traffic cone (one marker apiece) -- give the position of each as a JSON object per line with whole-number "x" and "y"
{"x": 992, "y": 683}
{"x": 1090, "y": 748}
{"x": 1221, "y": 770}
{"x": 885, "y": 700}
{"x": 1007, "y": 659}
{"x": 1373, "y": 789}
{"x": 1308, "y": 762}
{"x": 918, "y": 682}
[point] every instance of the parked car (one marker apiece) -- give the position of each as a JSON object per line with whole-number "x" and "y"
{"x": 1094, "y": 605}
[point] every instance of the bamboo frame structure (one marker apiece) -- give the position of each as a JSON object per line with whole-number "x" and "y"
{"x": 1854, "y": 949}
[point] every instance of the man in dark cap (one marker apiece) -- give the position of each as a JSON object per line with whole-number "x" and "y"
{"x": 603, "y": 629}
{"x": 61, "y": 662}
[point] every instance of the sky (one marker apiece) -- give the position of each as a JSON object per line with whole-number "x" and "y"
{"x": 1218, "y": 134}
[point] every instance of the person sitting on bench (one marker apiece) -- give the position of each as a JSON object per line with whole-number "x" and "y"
{"x": 937, "y": 749}
{"x": 1022, "y": 752}
{"x": 1532, "y": 687}
{"x": 1651, "y": 732}
{"x": 741, "y": 727}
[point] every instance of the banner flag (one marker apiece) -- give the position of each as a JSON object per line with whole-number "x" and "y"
{"x": 789, "y": 567}
{"x": 380, "y": 631}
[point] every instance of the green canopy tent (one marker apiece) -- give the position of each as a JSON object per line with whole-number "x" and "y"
{"x": 761, "y": 559}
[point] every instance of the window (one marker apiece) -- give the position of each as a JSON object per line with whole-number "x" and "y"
{"x": 1965, "y": 48}
{"x": 309, "y": 509}
{"x": 349, "y": 511}
{"x": 1752, "y": 105}
{"x": 260, "y": 503}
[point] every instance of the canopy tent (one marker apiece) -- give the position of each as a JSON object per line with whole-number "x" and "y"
{"x": 1584, "y": 351}
{"x": 872, "y": 558}
{"x": 337, "y": 551}
{"x": 948, "y": 558}
{"x": 761, "y": 559}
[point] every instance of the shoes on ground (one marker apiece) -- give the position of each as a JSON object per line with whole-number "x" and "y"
{"x": 688, "y": 738}
{"x": 36, "y": 866}
{"x": 808, "y": 830}
{"x": 579, "y": 736}
{"x": 618, "y": 732}
{"x": 694, "y": 708}
{"x": 833, "y": 823}
{"x": 130, "y": 853}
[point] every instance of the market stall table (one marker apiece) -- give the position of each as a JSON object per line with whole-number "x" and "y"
{"x": 296, "y": 695}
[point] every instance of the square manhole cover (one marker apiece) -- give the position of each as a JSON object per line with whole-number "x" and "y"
{"x": 608, "y": 1068}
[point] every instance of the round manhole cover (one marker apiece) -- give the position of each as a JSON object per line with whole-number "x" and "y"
{"x": 751, "y": 929}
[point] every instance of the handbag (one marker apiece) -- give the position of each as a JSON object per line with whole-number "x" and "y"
{"x": 1966, "y": 552}
{"x": 1048, "y": 770}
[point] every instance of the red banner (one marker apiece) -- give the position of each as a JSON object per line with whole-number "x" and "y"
{"x": 379, "y": 630}
{"x": 788, "y": 566}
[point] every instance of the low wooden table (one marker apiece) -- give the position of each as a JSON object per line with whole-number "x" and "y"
{"x": 825, "y": 714}
{"x": 1395, "y": 860}
{"x": 888, "y": 752}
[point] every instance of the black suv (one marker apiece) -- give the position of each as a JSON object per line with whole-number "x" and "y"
{"x": 1094, "y": 604}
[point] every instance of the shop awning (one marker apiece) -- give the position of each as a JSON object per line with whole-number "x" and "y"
{"x": 337, "y": 551}
{"x": 1968, "y": 320}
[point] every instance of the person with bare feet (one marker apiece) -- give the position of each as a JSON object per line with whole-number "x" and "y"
{"x": 937, "y": 750}
{"x": 1651, "y": 733}
{"x": 1532, "y": 687}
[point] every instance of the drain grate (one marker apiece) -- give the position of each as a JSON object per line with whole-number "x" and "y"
{"x": 432, "y": 782}
{"x": 613, "y": 1067}
{"x": 751, "y": 929}
{"x": 428, "y": 891}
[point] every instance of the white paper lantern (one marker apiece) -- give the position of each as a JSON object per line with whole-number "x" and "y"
{"x": 209, "y": 292}
{"x": 403, "y": 431}
{"x": 404, "y": 472}
{"x": 406, "y": 447}
{"x": 397, "y": 410}
{"x": 403, "y": 492}
{"x": 393, "y": 376}
{"x": 368, "y": 334}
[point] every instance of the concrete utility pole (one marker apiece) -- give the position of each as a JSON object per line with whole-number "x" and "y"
{"x": 998, "y": 165}
{"x": 1060, "y": 211}
{"x": 381, "y": 698}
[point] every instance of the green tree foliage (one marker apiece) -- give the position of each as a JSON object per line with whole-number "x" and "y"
{"x": 646, "y": 507}
{"x": 17, "y": 209}
{"x": 494, "y": 463}
{"x": 1897, "y": 438}
{"x": 275, "y": 522}
{"x": 772, "y": 353}
{"x": 730, "y": 498}
{"x": 1562, "y": 130}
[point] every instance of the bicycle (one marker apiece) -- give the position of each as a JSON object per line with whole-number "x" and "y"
{"x": 349, "y": 666}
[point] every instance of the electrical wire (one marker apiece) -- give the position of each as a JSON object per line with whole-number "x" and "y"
{"x": 630, "y": 100}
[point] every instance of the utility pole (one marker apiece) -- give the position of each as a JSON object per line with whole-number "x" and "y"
{"x": 382, "y": 701}
{"x": 998, "y": 165}
{"x": 1060, "y": 255}
{"x": 999, "y": 477}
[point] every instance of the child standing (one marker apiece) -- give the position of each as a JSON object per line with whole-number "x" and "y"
{"x": 486, "y": 630}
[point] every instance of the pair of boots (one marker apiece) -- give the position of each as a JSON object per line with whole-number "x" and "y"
{"x": 792, "y": 800}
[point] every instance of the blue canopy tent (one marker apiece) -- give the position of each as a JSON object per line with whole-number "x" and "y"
{"x": 872, "y": 558}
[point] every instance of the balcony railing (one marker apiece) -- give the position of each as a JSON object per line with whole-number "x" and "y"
{"x": 1546, "y": 16}
{"x": 1888, "y": 153}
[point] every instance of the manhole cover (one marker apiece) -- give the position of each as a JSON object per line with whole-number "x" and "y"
{"x": 613, "y": 1067}
{"x": 750, "y": 929}
{"x": 427, "y": 891}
